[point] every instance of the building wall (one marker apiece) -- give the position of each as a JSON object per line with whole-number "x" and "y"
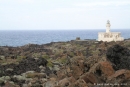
{"x": 112, "y": 36}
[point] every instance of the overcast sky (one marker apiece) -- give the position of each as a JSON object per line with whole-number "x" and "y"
{"x": 63, "y": 14}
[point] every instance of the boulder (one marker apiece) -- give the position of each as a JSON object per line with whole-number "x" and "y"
{"x": 123, "y": 73}
{"x": 76, "y": 71}
{"x": 50, "y": 84}
{"x": 6, "y": 78}
{"x": 64, "y": 82}
{"x": 106, "y": 68}
{"x": 120, "y": 77}
{"x": 10, "y": 84}
{"x": 25, "y": 85}
{"x": 19, "y": 77}
{"x": 103, "y": 68}
{"x": 79, "y": 83}
{"x": 61, "y": 74}
{"x": 90, "y": 78}
{"x": 56, "y": 67}
{"x": 71, "y": 79}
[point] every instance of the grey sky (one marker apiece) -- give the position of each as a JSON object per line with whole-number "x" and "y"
{"x": 63, "y": 14}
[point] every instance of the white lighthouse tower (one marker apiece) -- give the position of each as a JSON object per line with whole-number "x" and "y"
{"x": 108, "y": 26}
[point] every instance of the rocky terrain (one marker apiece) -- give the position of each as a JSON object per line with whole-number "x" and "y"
{"x": 66, "y": 64}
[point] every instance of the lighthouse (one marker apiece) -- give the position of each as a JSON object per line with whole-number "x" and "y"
{"x": 108, "y": 35}
{"x": 108, "y": 26}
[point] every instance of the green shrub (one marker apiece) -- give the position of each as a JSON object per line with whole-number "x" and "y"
{"x": 49, "y": 64}
{"x": 33, "y": 75}
{"x": 62, "y": 60}
{"x": 36, "y": 55}
{"x": 19, "y": 58}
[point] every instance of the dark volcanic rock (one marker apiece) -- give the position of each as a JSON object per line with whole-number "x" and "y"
{"x": 19, "y": 82}
{"x": 119, "y": 56}
{"x": 31, "y": 64}
{"x": 28, "y": 64}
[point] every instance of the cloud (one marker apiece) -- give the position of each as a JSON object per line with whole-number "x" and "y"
{"x": 25, "y": 1}
{"x": 67, "y": 10}
{"x": 108, "y": 3}
{"x": 16, "y": 1}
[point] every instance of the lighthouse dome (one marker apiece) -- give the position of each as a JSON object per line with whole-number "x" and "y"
{"x": 108, "y": 22}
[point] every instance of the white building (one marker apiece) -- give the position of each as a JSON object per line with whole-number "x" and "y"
{"x": 109, "y": 36}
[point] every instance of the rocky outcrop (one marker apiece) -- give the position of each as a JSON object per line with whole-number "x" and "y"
{"x": 66, "y": 64}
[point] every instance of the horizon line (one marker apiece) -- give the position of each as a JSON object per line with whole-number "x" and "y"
{"x": 60, "y": 29}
